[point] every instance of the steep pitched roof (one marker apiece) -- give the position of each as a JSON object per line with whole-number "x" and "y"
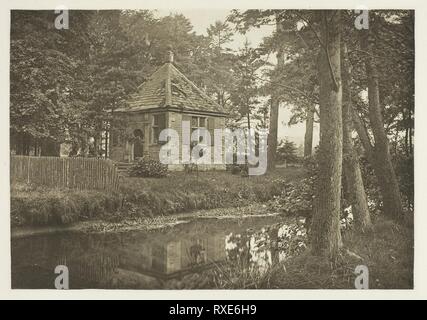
{"x": 168, "y": 87}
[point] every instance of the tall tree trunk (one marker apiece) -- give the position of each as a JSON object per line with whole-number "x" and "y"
{"x": 381, "y": 158}
{"x": 308, "y": 137}
{"x": 248, "y": 120}
{"x": 272, "y": 133}
{"x": 325, "y": 230}
{"x": 274, "y": 113}
{"x": 351, "y": 168}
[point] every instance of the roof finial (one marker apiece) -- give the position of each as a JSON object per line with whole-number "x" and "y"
{"x": 170, "y": 59}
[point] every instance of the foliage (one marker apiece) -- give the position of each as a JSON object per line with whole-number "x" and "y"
{"x": 287, "y": 151}
{"x": 148, "y": 167}
{"x": 245, "y": 94}
{"x": 296, "y": 197}
{"x": 45, "y": 69}
{"x": 218, "y": 62}
{"x": 391, "y": 32}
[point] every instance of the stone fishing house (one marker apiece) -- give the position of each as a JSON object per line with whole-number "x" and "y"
{"x": 164, "y": 100}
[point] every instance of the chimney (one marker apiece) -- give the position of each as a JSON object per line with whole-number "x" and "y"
{"x": 170, "y": 58}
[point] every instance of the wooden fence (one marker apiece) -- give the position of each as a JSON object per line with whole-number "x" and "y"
{"x": 75, "y": 173}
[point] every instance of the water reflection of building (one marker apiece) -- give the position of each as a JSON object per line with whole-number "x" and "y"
{"x": 169, "y": 258}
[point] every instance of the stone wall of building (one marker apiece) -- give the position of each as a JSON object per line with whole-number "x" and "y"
{"x": 122, "y": 150}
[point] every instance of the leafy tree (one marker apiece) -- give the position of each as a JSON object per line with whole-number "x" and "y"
{"x": 218, "y": 77}
{"x": 245, "y": 95}
{"x": 44, "y": 72}
{"x": 287, "y": 151}
{"x": 110, "y": 75}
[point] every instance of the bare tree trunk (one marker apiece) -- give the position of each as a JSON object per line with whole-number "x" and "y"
{"x": 272, "y": 133}
{"x": 274, "y": 114}
{"x": 248, "y": 120}
{"x": 325, "y": 230}
{"x": 381, "y": 158}
{"x": 308, "y": 137}
{"x": 352, "y": 173}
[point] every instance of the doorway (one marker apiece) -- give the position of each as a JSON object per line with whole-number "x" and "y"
{"x": 138, "y": 145}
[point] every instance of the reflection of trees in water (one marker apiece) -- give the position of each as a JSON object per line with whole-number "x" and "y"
{"x": 260, "y": 250}
{"x": 251, "y": 250}
{"x": 90, "y": 260}
{"x": 86, "y": 257}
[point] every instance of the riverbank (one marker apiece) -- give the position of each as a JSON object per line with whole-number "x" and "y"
{"x": 140, "y": 198}
{"x": 146, "y": 223}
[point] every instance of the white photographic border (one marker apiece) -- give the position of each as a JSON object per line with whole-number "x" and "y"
{"x": 420, "y": 225}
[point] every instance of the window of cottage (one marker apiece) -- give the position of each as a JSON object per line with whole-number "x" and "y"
{"x": 158, "y": 124}
{"x": 198, "y": 123}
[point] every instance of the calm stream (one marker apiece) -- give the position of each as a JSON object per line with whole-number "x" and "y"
{"x": 168, "y": 258}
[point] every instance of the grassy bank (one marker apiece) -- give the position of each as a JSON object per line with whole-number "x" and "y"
{"x": 32, "y": 205}
{"x": 387, "y": 252}
{"x": 146, "y": 197}
{"x": 182, "y": 192}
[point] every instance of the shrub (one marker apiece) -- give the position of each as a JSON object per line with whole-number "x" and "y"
{"x": 147, "y": 167}
{"x": 287, "y": 151}
{"x": 296, "y": 198}
{"x": 235, "y": 168}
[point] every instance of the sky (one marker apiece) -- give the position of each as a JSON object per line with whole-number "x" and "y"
{"x": 201, "y": 19}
